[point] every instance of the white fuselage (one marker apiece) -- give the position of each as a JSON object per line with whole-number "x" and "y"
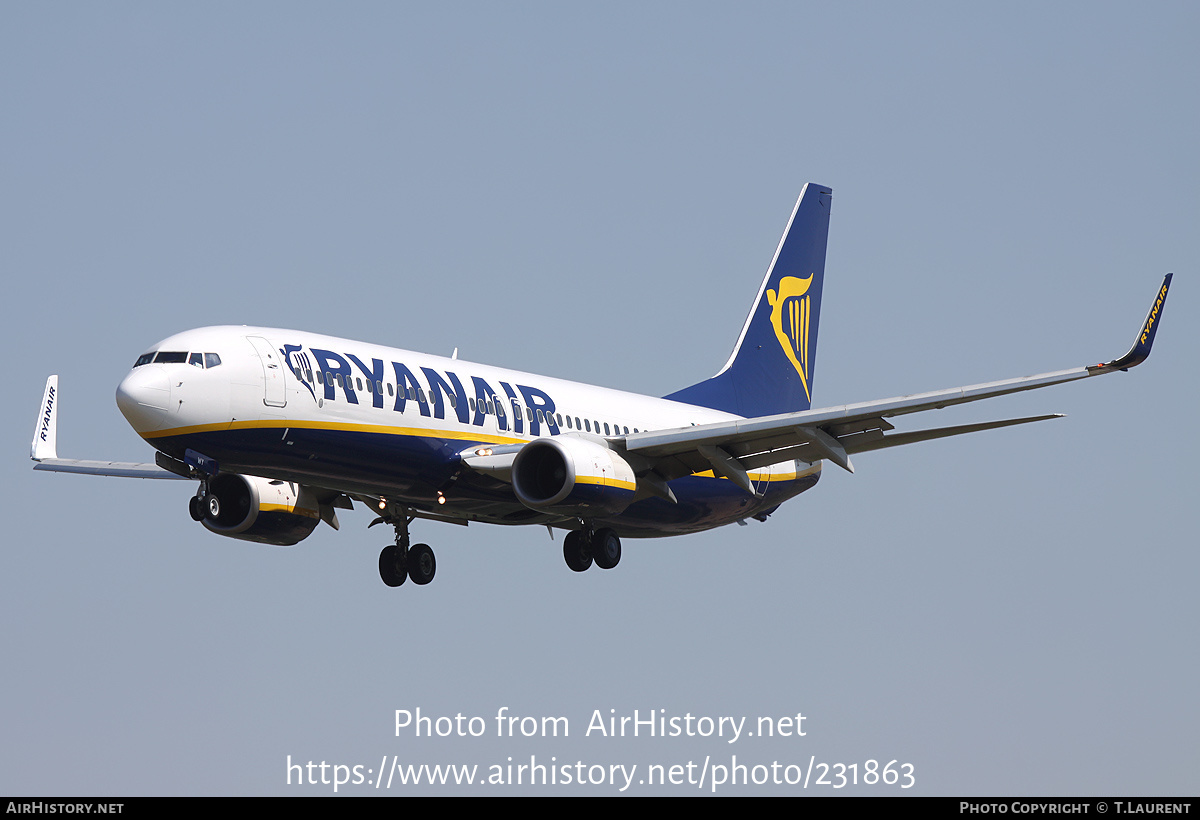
{"x": 376, "y": 421}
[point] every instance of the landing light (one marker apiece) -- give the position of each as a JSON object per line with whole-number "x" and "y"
{"x": 484, "y": 451}
{"x": 441, "y": 498}
{"x": 383, "y": 503}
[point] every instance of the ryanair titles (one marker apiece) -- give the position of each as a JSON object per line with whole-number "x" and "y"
{"x": 332, "y": 376}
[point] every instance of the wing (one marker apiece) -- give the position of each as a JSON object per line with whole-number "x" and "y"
{"x": 44, "y": 449}
{"x": 733, "y": 448}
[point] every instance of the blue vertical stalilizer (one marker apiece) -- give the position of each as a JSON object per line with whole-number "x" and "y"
{"x": 771, "y": 368}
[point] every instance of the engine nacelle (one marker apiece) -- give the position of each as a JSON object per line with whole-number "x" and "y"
{"x": 572, "y": 476}
{"x": 259, "y": 509}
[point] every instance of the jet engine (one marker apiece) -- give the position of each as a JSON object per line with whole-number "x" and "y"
{"x": 259, "y": 509}
{"x": 572, "y": 476}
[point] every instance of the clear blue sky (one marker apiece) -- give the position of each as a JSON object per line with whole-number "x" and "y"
{"x": 594, "y": 193}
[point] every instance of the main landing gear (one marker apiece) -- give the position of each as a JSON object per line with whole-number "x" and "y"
{"x": 582, "y": 547}
{"x": 202, "y": 504}
{"x": 398, "y": 562}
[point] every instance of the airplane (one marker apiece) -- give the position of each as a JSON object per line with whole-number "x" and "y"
{"x": 281, "y": 428}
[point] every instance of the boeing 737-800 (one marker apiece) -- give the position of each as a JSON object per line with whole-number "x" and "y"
{"x": 280, "y": 428}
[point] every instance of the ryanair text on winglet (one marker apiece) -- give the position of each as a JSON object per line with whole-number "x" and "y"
{"x": 1162, "y": 294}
{"x": 46, "y": 411}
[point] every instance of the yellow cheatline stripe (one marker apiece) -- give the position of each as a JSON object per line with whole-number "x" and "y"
{"x": 791, "y": 476}
{"x": 606, "y": 482}
{"x": 279, "y": 424}
{"x": 417, "y": 432}
{"x": 262, "y": 508}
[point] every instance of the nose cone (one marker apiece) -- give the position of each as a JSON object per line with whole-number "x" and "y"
{"x": 144, "y": 396}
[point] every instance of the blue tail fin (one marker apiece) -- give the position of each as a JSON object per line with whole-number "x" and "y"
{"x": 771, "y": 368}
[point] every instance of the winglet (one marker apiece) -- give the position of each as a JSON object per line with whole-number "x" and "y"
{"x": 1145, "y": 340}
{"x": 45, "y": 433}
{"x": 44, "y": 449}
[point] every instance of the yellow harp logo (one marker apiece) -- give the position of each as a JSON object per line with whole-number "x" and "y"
{"x": 792, "y": 329}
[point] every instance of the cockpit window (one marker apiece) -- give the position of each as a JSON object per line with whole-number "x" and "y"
{"x": 201, "y": 360}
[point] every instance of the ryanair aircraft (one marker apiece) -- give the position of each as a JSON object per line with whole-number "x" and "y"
{"x": 281, "y": 428}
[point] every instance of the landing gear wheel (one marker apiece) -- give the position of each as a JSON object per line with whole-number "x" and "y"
{"x": 606, "y": 548}
{"x": 577, "y": 551}
{"x": 421, "y": 564}
{"x": 196, "y": 508}
{"x": 392, "y": 566}
{"x": 214, "y": 508}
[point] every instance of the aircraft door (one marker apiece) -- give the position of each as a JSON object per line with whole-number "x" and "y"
{"x": 273, "y": 387}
